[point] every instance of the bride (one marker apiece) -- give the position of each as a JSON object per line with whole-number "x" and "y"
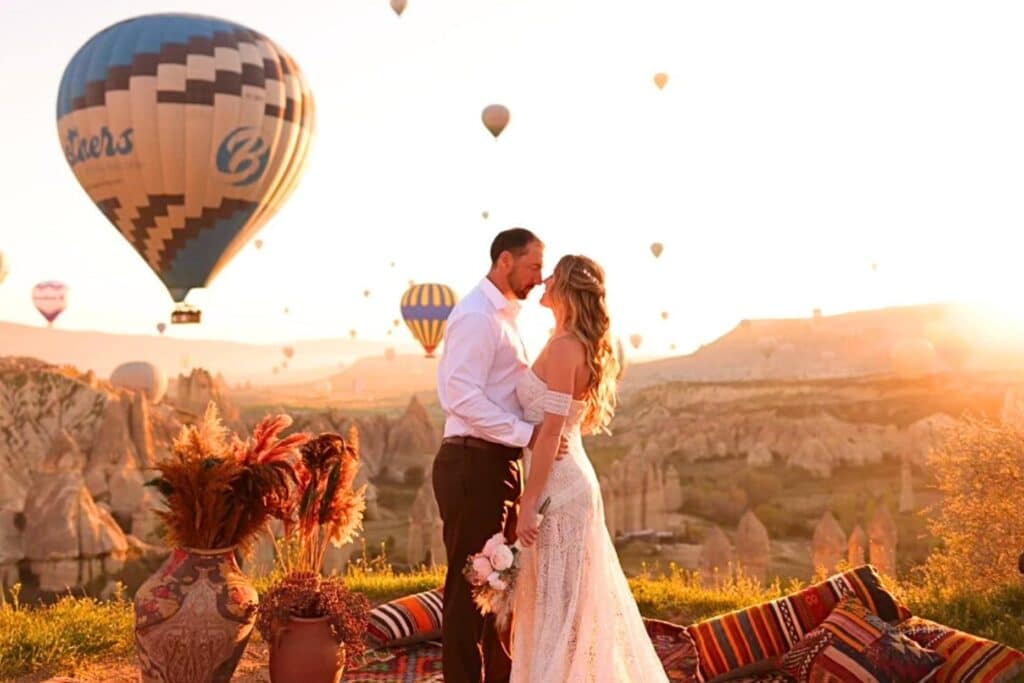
{"x": 574, "y": 616}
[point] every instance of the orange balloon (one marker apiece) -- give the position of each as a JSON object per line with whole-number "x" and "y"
{"x": 636, "y": 340}
{"x": 660, "y": 80}
{"x": 398, "y": 6}
{"x": 495, "y": 118}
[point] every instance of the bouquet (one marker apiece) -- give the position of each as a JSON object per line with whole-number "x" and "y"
{"x": 492, "y": 572}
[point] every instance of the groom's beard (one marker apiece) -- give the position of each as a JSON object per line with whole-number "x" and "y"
{"x": 522, "y": 292}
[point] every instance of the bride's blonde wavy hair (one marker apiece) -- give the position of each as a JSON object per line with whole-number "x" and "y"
{"x": 578, "y": 285}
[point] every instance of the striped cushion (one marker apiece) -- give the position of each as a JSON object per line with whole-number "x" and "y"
{"x": 747, "y": 636}
{"x": 410, "y": 619}
{"x": 853, "y": 645}
{"x": 969, "y": 659}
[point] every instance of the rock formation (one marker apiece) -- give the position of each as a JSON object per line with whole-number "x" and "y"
{"x": 883, "y": 537}
{"x": 197, "y": 389}
{"x": 673, "y": 490}
{"x": 716, "y": 558}
{"x": 414, "y": 434}
{"x": 829, "y": 546}
{"x": 753, "y": 547}
{"x": 426, "y": 540}
{"x": 907, "y": 503}
{"x": 857, "y": 548}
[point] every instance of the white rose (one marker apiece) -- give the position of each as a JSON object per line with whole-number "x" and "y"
{"x": 492, "y": 544}
{"x": 502, "y": 558}
{"x": 482, "y": 568}
{"x": 496, "y": 582}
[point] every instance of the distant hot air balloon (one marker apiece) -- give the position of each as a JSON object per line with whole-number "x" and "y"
{"x": 495, "y": 118}
{"x": 188, "y": 133}
{"x": 636, "y": 340}
{"x": 398, "y": 6}
{"x": 425, "y": 309}
{"x": 874, "y": 267}
{"x": 258, "y": 244}
{"x": 353, "y": 333}
{"x": 3, "y": 268}
{"x": 50, "y": 299}
{"x": 284, "y": 365}
{"x": 288, "y": 351}
{"x": 664, "y": 315}
{"x": 396, "y": 322}
{"x": 485, "y": 214}
{"x": 366, "y": 293}
{"x": 276, "y": 369}
{"x": 392, "y": 264}
{"x": 660, "y": 80}
{"x": 161, "y": 327}
{"x": 390, "y": 332}
{"x": 287, "y": 310}
{"x": 389, "y": 353}
{"x": 657, "y": 248}
{"x": 141, "y": 376}
{"x": 672, "y": 347}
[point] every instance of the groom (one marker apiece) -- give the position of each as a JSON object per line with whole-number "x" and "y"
{"x": 476, "y": 472}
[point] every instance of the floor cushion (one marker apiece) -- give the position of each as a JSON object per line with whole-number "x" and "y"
{"x": 406, "y": 620}
{"x": 969, "y": 659}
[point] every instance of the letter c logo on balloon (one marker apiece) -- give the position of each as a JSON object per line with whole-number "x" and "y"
{"x": 243, "y": 155}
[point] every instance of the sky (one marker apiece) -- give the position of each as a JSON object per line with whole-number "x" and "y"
{"x": 795, "y": 145}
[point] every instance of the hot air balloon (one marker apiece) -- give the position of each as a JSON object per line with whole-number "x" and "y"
{"x": 396, "y": 322}
{"x": 485, "y": 214}
{"x": 398, "y": 6}
{"x": 495, "y": 118}
{"x": 664, "y": 315}
{"x": 258, "y": 244}
{"x": 353, "y": 333}
{"x": 276, "y": 369}
{"x": 161, "y": 327}
{"x": 366, "y": 293}
{"x": 672, "y": 347}
{"x": 141, "y": 376}
{"x": 392, "y": 264}
{"x": 636, "y": 340}
{"x": 3, "y": 268}
{"x": 425, "y": 309}
{"x": 389, "y": 353}
{"x": 874, "y": 267}
{"x": 287, "y": 310}
{"x": 390, "y": 332}
{"x": 660, "y": 80}
{"x": 657, "y": 248}
{"x": 288, "y": 351}
{"x": 188, "y": 133}
{"x": 50, "y": 299}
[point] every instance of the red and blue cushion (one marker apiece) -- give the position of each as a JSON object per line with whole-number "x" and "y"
{"x": 853, "y": 645}
{"x": 969, "y": 659}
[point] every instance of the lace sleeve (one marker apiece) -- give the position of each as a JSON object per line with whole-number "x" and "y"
{"x": 557, "y": 403}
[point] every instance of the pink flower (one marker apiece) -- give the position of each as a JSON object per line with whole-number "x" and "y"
{"x": 482, "y": 568}
{"x": 493, "y": 543}
{"x": 502, "y": 558}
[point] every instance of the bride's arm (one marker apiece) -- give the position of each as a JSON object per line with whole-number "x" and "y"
{"x": 565, "y": 356}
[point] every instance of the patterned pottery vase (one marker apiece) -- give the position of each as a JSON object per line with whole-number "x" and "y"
{"x": 193, "y": 618}
{"x": 305, "y": 651}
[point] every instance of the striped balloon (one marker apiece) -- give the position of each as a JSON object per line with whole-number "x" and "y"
{"x": 188, "y": 133}
{"x": 50, "y": 299}
{"x": 425, "y": 309}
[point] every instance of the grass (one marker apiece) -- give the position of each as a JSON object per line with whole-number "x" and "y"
{"x": 75, "y": 632}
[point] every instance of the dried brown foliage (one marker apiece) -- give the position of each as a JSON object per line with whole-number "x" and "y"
{"x": 220, "y": 491}
{"x": 310, "y": 595}
{"x": 980, "y": 521}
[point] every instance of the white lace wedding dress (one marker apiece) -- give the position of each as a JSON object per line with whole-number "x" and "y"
{"x": 574, "y": 617}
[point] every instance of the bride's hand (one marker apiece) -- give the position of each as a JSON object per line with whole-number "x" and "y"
{"x": 528, "y": 527}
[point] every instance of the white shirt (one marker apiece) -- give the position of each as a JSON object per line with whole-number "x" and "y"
{"x": 481, "y": 365}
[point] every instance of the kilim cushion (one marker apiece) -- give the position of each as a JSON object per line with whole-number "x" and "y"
{"x": 741, "y": 638}
{"x": 853, "y": 645}
{"x": 969, "y": 659}
{"x": 405, "y": 620}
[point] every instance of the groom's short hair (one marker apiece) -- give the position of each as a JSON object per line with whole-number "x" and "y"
{"x": 515, "y": 240}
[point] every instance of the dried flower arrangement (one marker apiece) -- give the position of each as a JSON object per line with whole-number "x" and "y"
{"x": 325, "y": 509}
{"x": 221, "y": 491}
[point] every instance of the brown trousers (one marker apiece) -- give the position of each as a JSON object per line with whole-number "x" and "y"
{"x": 476, "y": 491}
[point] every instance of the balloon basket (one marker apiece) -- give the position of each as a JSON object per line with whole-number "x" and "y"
{"x": 186, "y": 315}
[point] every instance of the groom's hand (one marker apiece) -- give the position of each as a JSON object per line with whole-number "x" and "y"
{"x": 563, "y": 443}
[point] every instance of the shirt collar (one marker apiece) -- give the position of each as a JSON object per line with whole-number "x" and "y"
{"x": 498, "y": 300}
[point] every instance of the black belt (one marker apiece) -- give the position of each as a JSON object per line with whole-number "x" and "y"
{"x": 510, "y": 452}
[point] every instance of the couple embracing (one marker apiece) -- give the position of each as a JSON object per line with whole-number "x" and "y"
{"x": 512, "y": 439}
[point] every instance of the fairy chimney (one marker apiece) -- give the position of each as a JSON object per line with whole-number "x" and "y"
{"x": 858, "y": 546}
{"x": 828, "y": 547}
{"x": 673, "y": 490}
{"x": 753, "y": 547}
{"x": 716, "y": 558}
{"x": 883, "y": 537}
{"x": 906, "y": 488}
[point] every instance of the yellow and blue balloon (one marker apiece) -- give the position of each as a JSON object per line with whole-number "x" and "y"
{"x": 425, "y": 308}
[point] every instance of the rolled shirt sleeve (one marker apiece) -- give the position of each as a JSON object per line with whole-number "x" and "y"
{"x": 471, "y": 342}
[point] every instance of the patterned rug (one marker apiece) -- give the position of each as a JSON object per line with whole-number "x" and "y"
{"x": 421, "y": 663}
